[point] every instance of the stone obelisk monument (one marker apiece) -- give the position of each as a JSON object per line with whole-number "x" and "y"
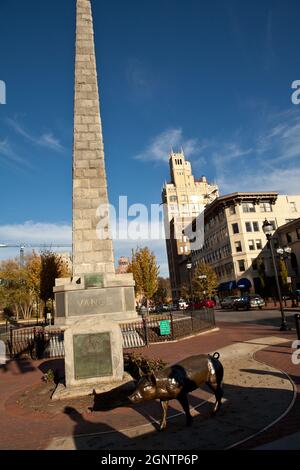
{"x": 90, "y": 255}
{"x": 95, "y": 300}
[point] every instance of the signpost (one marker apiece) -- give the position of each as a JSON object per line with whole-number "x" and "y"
{"x": 164, "y": 327}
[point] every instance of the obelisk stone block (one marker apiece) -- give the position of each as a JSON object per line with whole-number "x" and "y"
{"x": 89, "y": 176}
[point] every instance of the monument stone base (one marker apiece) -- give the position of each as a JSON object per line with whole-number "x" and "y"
{"x": 63, "y": 393}
{"x": 93, "y": 358}
{"x": 107, "y": 295}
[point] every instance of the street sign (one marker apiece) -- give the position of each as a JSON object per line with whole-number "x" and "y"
{"x": 164, "y": 327}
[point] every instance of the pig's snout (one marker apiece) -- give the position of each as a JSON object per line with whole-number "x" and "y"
{"x": 136, "y": 397}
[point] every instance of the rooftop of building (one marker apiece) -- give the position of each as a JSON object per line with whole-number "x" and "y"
{"x": 293, "y": 224}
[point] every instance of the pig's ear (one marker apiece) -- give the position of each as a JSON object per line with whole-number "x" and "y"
{"x": 153, "y": 378}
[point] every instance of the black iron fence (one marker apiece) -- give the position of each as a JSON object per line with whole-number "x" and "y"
{"x": 166, "y": 327}
{"x": 39, "y": 342}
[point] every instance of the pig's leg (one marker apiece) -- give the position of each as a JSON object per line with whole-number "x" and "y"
{"x": 216, "y": 388}
{"x": 183, "y": 400}
{"x": 164, "y": 405}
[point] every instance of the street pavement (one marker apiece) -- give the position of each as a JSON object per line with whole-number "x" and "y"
{"x": 257, "y": 394}
{"x": 270, "y": 317}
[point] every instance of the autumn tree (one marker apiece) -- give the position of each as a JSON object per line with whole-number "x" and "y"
{"x": 261, "y": 270}
{"x": 204, "y": 281}
{"x": 16, "y": 290}
{"x": 163, "y": 293}
{"x": 283, "y": 273}
{"x": 22, "y": 287}
{"x": 145, "y": 272}
{"x": 53, "y": 267}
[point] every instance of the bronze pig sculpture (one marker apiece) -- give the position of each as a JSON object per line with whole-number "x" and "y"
{"x": 177, "y": 380}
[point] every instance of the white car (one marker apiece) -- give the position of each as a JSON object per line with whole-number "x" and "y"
{"x": 182, "y": 304}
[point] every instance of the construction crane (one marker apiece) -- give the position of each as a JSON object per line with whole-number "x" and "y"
{"x": 22, "y": 247}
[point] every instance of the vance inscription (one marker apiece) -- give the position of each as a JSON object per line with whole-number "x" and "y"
{"x": 95, "y": 301}
{"x": 92, "y": 355}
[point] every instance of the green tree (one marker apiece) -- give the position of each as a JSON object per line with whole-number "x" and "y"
{"x": 145, "y": 272}
{"x": 204, "y": 281}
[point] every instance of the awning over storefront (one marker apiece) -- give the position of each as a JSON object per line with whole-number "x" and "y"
{"x": 244, "y": 283}
{"x": 229, "y": 285}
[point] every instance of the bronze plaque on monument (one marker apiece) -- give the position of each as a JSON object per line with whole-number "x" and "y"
{"x": 92, "y": 355}
{"x": 93, "y": 280}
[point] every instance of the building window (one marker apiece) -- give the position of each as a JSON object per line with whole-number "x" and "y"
{"x": 289, "y": 238}
{"x": 273, "y": 223}
{"x": 248, "y": 207}
{"x": 248, "y": 227}
{"x": 232, "y": 210}
{"x": 241, "y": 264}
{"x": 255, "y": 226}
{"x": 251, "y": 245}
{"x": 235, "y": 228}
{"x": 238, "y": 246}
{"x": 293, "y": 207}
{"x": 173, "y": 198}
{"x": 265, "y": 207}
{"x": 258, "y": 244}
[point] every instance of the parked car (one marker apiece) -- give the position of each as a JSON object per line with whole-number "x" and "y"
{"x": 207, "y": 303}
{"x": 228, "y": 302}
{"x": 163, "y": 308}
{"x": 249, "y": 301}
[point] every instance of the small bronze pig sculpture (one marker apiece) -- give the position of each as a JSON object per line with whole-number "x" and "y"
{"x": 177, "y": 380}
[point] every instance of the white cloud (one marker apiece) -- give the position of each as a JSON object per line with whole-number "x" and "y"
{"x": 8, "y": 154}
{"x": 161, "y": 145}
{"x": 47, "y": 139}
{"x": 49, "y": 234}
{"x": 34, "y": 232}
{"x": 285, "y": 181}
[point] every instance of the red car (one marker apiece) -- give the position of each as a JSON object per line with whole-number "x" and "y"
{"x": 207, "y": 303}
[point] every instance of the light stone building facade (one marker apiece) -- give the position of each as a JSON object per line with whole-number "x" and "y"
{"x": 234, "y": 238}
{"x": 184, "y": 198}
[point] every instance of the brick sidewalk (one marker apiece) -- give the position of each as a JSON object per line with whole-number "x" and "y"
{"x": 279, "y": 357}
{"x": 25, "y": 429}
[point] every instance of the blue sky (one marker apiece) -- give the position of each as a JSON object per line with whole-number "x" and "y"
{"x": 214, "y": 77}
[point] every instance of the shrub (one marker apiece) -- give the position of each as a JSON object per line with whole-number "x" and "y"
{"x": 137, "y": 365}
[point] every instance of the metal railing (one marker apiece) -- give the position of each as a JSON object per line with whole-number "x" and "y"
{"x": 166, "y": 327}
{"x": 36, "y": 342}
{"x": 40, "y": 342}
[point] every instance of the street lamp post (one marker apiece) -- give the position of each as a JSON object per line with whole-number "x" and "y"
{"x": 268, "y": 230}
{"x": 189, "y": 266}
